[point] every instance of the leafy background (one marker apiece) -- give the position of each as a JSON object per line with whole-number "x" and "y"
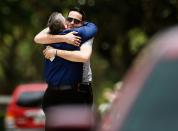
{"x": 124, "y": 27}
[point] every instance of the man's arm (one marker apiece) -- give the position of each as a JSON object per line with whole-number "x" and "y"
{"x": 45, "y": 38}
{"x": 87, "y": 31}
{"x": 81, "y": 55}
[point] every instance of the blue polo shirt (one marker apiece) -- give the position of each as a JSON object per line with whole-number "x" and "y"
{"x": 63, "y": 72}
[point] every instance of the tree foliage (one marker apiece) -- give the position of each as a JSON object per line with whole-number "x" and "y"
{"x": 124, "y": 26}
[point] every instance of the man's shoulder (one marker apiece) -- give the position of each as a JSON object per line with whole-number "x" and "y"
{"x": 86, "y": 28}
{"x": 89, "y": 42}
{"x": 87, "y": 25}
{"x": 65, "y": 31}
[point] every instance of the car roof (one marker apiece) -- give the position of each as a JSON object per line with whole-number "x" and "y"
{"x": 149, "y": 88}
{"x": 29, "y": 87}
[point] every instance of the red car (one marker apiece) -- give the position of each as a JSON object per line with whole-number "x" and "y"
{"x": 24, "y": 111}
{"x": 148, "y": 99}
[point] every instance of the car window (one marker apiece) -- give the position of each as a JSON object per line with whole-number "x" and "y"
{"x": 155, "y": 109}
{"x": 30, "y": 99}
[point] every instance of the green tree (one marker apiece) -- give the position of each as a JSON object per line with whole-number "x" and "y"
{"x": 124, "y": 27}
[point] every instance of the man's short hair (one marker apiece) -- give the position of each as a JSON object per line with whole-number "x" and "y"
{"x": 55, "y": 23}
{"x": 80, "y": 10}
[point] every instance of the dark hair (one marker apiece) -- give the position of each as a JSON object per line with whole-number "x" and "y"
{"x": 55, "y": 23}
{"x": 79, "y": 9}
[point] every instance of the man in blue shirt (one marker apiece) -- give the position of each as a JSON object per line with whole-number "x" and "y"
{"x": 64, "y": 76}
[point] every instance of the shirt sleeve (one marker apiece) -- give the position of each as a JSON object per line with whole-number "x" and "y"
{"x": 87, "y": 31}
{"x": 89, "y": 42}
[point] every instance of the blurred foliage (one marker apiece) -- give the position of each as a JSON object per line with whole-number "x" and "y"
{"x": 124, "y": 26}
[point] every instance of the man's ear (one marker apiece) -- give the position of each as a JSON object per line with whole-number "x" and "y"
{"x": 65, "y": 26}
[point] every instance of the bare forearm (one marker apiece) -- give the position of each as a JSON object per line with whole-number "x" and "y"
{"x": 81, "y": 55}
{"x": 75, "y": 56}
{"x": 45, "y": 38}
{"x": 49, "y": 39}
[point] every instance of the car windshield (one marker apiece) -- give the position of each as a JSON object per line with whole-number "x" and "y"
{"x": 30, "y": 99}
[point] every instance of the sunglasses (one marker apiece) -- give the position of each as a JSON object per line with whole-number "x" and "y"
{"x": 76, "y": 21}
